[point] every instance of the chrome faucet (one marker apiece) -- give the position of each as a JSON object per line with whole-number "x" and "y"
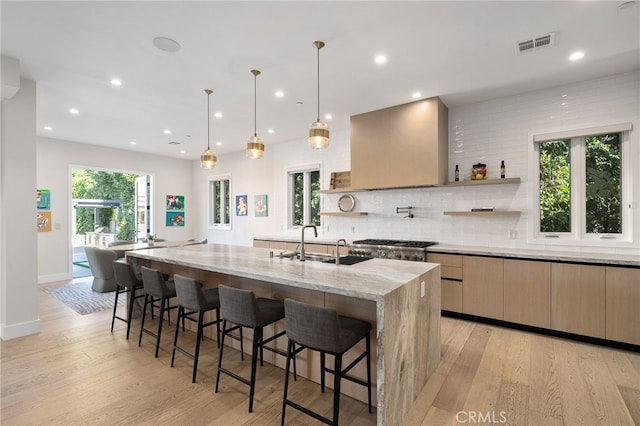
{"x": 338, "y": 249}
{"x": 315, "y": 231}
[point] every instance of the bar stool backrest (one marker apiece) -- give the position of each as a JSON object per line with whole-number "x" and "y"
{"x": 154, "y": 283}
{"x": 239, "y": 306}
{"x": 124, "y": 275}
{"x": 313, "y": 326}
{"x": 189, "y": 293}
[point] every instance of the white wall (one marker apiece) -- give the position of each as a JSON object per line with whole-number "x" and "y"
{"x": 18, "y": 279}
{"x": 484, "y": 132}
{"x": 56, "y": 158}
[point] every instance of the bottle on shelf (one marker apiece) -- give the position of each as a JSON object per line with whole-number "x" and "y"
{"x": 457, "y": 173}
{"x": 502, "y": 170}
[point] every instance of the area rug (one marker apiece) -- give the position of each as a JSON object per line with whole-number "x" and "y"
{"x": 82, "y": 299}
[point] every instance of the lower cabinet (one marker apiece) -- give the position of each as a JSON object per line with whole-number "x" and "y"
{"x": 623, "y": 304}
{"x": 527, "y": 292}
{"x": 483, "y": 288}
{"x": 451, "y": 295}
{"x": 451, "y": 282}
{"x": 578, "y": 299}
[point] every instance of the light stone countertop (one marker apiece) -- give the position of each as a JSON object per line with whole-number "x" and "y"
{"x": 369, "y": 280}
{"x": 549, "y": 255}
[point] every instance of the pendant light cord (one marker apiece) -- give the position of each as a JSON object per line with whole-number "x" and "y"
{"x": 208, "y": 123}
{"x": 318, "y": 61}
{"x": 255, "y": 106}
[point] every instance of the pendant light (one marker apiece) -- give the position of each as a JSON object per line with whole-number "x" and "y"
{"x": 208, "y": 158}
{"x": 319, "y": 131}
{"x": 255, "y": 145}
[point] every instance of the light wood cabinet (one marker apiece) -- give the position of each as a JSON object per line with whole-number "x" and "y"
{"x": 401, "y": 146}
{"x": 483, "y": 286}
{"x": 623, "y": 304}
{"x": 578, "y": 299}
{"x": 451, "y": 280}
{"x": 527, "y": 292}
{"x": 261, "y": 243}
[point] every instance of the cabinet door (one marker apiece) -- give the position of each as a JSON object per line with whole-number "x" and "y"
{"x": 623, "y": 304}
{"x": 527, "y": 292}
{"x": 451, "y": 294}
{"x": 482, "y": 286}
{"x": 578, "y": 299}
{"x": 450, "y": 264}
{"x": 261, "y": 243}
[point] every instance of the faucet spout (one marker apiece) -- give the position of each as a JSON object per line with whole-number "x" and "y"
{"x": 338, "y": 249}
{"x": 315, "y": 232}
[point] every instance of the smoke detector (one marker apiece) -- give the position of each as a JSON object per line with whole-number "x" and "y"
{"x": 535, "y": 43}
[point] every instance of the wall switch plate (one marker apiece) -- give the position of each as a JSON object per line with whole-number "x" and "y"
{"x": 513, "y": 234}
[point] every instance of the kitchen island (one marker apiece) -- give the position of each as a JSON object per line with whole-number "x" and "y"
{"x": 401, "y": 300}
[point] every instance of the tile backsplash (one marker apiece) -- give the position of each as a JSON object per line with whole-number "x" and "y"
{"x": 490, "y": 132}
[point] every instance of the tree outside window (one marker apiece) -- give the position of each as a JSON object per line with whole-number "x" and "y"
{"x": 305, "y": 198}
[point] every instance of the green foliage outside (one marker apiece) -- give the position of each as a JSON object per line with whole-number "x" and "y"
{"x": 555, "y": 186}
{"x": 298, "y": 198}
{"x": 603, "y": 185}
{"x": 94, "y": 184}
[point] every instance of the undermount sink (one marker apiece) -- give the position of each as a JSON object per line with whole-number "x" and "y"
{"x": 319, "y": 257}
{"x": 349, "y": 260}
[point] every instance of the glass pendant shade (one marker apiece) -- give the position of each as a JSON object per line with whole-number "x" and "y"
{"x": 318, "y": 135}
{"x": 255, "y": 147}
{"x": 208, "y": 158}
{"x": 255, "y": 144}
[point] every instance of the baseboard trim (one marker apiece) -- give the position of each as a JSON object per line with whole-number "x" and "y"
{"x": 20, "y": 330}
{"x": 43, "y": 279}
{"x": 545, "y": 331}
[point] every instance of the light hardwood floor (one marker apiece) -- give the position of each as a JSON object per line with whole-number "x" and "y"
{"x": 76, "y": 372}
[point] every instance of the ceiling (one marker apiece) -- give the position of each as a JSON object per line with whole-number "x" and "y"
{"x": 461, "y": 51}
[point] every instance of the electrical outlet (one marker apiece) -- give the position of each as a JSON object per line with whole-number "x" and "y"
{"x": 353, "y": 229}
{"x": 513, "y": 234}
{"x": 327, "y": 228}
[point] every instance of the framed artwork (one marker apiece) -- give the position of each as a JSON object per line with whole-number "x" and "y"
{"x": 261, "y": 206}
{"x": 175, "y": 219}
{"x": 44, "y": 221}
{"x": 241, "y": 205}
{"x": 175, "y": 202}
{"x": 44, "y": 199}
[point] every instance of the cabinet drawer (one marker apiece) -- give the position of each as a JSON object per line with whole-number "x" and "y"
{"x": 451, "y": 272}
{"x": 451, "y": 295}
{"x": 445, "y": 259}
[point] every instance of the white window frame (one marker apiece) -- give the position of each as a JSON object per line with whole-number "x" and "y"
{"x": 578, "y": 235}
{"x": 307, "y": 191}
{"x": 211, "y": 189}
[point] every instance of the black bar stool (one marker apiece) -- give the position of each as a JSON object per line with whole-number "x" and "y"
{"x": 156, "y": 287}
{"x": 323, "y": 330}
{"x": 193, "y": 299}
{"x": 126, "y": 282}
{"x": 242, "y": 308}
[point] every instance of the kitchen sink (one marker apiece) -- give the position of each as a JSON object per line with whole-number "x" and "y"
{"x": 349, "y": 260}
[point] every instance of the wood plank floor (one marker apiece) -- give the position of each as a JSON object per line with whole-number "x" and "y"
{"x": 76, "y": 372}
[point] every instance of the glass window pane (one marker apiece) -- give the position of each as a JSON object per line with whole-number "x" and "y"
{"x": 555, "y": 186}
{"x": 314, "y": 178}
{"x": 603, "y": 184}
{"x": 216, "y": 202}
{"x": 226, "y": 203}
{"x": 298, "y": 199}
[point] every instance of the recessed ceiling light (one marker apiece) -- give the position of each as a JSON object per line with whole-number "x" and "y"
{"x": 166, "y": 44}
{"x": 218, "y": 115}
{"x": 576, "y": 56}
{"x": 74, "y": 111}
{"x": 270, "y": 131}
{"x": 279, "y": 94}
{"x": 416, "y": 95}
{"x": 115, "y": 82}
{"x": 48, "y": 128}
{"x": 167, "y": 132}
{"x": 219, "y": 143}
{"x": 380, "y": 59}
{"x": 328, "y": 116}
{"x": 132, "y": 142}
{"x": 183, "y": 152}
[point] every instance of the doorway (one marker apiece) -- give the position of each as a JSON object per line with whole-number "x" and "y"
{"x": 107, "y": 207}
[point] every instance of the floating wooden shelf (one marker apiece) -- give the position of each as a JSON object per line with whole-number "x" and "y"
{"x": 484, "y": 213}
{"x": 483, "y": 182}
{"x": 340, "y": 190}
{"x": 343, "y": 213}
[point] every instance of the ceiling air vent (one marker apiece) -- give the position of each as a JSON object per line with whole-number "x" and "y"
{"x": 175, "y": 143}
{"x": 536, "y": 43}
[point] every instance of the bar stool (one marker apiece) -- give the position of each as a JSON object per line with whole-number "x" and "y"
{"x": 242, "y": 308}
{"x": 126, "y": 282}
{"x": 193, "y": 299}
{"x": 156, "y": 287}
{"x": 323, "y": 330}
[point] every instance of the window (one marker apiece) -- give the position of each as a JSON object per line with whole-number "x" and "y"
{"x": 304, "y": 196}
{"x": 219, "y": 202}
{"x": 583, "y": 189}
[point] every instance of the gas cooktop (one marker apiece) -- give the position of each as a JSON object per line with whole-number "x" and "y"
{"x": 396, "y": 243}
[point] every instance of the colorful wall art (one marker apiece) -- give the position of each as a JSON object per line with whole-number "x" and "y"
{"x": 261, "y": 206}
{"x": 175, "y": 219}
{"x": 175, "y": 202}
{"x": 241, "y": 205}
